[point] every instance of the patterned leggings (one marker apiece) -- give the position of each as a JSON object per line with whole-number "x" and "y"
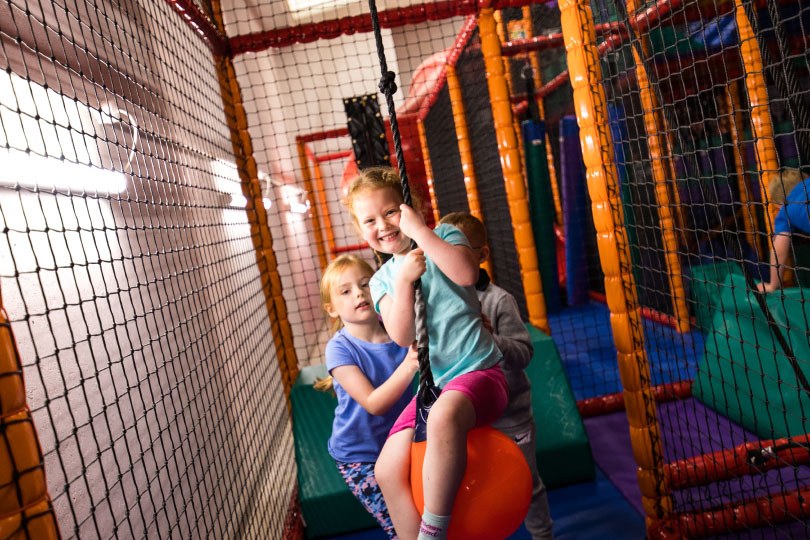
{"x": 360, "y": 479}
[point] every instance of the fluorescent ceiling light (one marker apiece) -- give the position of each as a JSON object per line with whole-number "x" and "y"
{"x": 52, "y": 174}
{"x": 240, "y": 201}
{"x": 227, "y": 180}
{"x": 300, "y": 5}
{"x": 292, "y": 196}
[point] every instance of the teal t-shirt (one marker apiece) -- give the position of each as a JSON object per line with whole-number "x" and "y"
{"x": 458, "y": 341}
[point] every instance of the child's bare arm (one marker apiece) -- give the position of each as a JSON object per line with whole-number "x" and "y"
{"x": 779, "y": 255}
{"x": 378, "y": 400}
{"x": 397, "y": 309}
{"x": 458, "y": 262}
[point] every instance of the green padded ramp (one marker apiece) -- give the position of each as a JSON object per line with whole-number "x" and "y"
{"x": 563, "y": 450}
{"x": 328, "y": 507}
{"x": 744, "y": 373}
{"x": 707, "y": 282}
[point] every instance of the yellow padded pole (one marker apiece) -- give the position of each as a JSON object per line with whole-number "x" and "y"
{"x": 590, "y": 105}
{"x": 761, "y": 125}
{"x": 657, "y": 146}
{"x": 512, "y": 169}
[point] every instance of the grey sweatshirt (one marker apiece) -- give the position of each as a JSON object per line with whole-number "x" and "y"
{"x": 513, "y": 340}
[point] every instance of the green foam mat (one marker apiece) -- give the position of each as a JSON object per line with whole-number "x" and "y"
{"x": 563, "y": 450}
{"x": 744, "y": 373}
{"x": 706, "y": 285}
{"x": 327, "y": 505}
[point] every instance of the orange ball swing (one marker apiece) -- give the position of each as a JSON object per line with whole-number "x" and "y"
{"x": 495, "y": 492}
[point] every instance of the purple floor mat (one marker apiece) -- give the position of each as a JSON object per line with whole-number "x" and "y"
{"x": 689, "y": 428}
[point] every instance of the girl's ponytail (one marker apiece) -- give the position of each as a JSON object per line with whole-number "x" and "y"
{"x": 324, "y": 385}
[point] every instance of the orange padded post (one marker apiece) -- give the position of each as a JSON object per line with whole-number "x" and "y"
{"x": 590, "y": 105}
{"x": 434, "y": 203}
{"x": 305, "y": 156}
{"x": 512, "y": 169}
{"x": 25, "y": 506}
{"x": 734, "y": 121}
{"x": 761, "y": 125}
{"x": 657, "y": 145}
{"x": 503, "y": 34}
{"x": 464, "y": 147}
{"x": 257, "y": 217}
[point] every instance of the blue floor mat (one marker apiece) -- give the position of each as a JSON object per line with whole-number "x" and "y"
{"x": 584, "y": 339}
{"x": 580, "y": 511}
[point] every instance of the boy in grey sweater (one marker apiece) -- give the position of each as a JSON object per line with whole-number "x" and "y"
{"x": 502, "y": 319}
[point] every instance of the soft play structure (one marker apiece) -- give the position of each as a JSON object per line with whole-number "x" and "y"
{"x": 171, "y": 175}
{"x": 328, "y": 507}
{"x": 756, "y": 385}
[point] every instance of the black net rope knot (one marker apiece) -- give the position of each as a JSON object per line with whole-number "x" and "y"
{"x": 388, "y": 84}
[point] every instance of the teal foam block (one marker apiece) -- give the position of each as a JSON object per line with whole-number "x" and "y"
{"x": 563, "y": 450}
{"x": 327, "y": 505}
{"x": 744, "y": 373}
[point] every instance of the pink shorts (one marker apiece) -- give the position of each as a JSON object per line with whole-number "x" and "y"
{"x": 486, "y": 389}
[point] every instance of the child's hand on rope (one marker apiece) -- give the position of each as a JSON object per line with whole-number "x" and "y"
{"x": 412, "y": 358}
{"x": 411, "y": 222}
{"x": 413, "y": 266}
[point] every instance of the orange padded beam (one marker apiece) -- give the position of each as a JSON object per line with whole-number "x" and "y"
{"x": 512, "y": 170}
{"x": 590, "y": 105}
{"x": 657, "y": 145}
{"x": 761, "y": 125}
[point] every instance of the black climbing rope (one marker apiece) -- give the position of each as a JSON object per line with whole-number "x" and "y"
{"x": 428, "y": 392}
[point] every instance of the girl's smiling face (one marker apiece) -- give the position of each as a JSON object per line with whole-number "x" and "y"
{"x": 377, "y": 214}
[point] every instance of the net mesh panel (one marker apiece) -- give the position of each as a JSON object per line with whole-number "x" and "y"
{"x": 129, "y": 276}
{"x": 486, "y": 160}
{"x": 297, "y": 91}
{"x": 745, "y": 387}
{"x": 128, "y": 267}
{"x": 445, "y": 159}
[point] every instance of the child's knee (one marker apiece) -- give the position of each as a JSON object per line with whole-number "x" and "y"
{"x": 393, "y": 463}
{"x": 455, "y": 413}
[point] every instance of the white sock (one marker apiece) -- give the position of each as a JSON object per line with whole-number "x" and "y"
{"x": 433, "y": 527}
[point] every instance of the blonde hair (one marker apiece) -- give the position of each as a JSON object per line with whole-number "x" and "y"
{"x": 330, "y": 276}
{"x": 472, "y": 227}
{"x": 328, "y": 281}
{"x": 779, "y": 188}
{"x": 372, "y": 179}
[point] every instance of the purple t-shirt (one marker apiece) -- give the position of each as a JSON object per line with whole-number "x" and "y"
{"x": 357, "y": 435}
